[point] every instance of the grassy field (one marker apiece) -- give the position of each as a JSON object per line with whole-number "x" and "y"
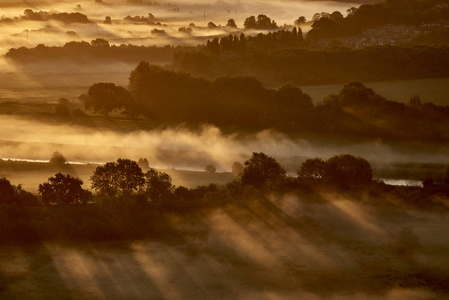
{"x": 285, "y": 248}
{"x": 434, "y": 90}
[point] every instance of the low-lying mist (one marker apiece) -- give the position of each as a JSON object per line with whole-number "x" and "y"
{"x": 172, "y": 15}
{"x": 182, "y": 148}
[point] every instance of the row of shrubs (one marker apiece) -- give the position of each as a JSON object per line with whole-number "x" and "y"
{"x": 127, "y": 203}
{"x": 125, "y": 178}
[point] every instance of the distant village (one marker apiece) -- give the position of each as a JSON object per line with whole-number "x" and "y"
{"x": 385, "y": 35}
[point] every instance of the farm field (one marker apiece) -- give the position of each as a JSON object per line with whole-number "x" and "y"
{"x": 333, "y": 250}
{"x": 434, "y": 90}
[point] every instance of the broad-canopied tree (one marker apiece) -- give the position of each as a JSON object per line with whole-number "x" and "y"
{"x": 345, "y": 170}
{"x": 262, "y": 171}
{"x": 104, "y": 97}
{"x": 210, "y": 169}
{"x": 62, "y": 189}
{"x": 119, "y": 178}
{"x": 231, "y": 23}
{"x": 294, "y": 98}
{"x": 58, "y": 159}
{"x": 101, "y": 43}
{"x": 262, "y": 22}
{"x": 301, "y": 20}
{"x": 312, "y": 169}
{"x": 158, "y": 185}
{"x": 357, "y": 92}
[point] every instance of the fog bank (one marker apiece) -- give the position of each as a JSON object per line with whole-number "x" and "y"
{"x": 183, "y": 148}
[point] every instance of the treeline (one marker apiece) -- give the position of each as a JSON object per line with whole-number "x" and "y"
{"x": 396, "y": 12}
{"x": 274, "y": 58}
{"x": 238, "y": 104}
{"x": 130, "y": 204}
{"x": 30, "y": 15}
{"x": 315, "y": 66}
{"x": 262, "y": 41}
{"x": 125, "y": 179}
{"x": 98, "y": 50}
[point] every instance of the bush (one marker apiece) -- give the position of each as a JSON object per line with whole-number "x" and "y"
{"x": 58, "y": 158}
{"x": 345, "y": 170}
{"x": 262, "y": 171}
{"x": 210, "y": 169}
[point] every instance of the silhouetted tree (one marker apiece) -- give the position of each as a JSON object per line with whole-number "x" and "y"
{"x": 186, "y": 30}
{"x": 158, "y": 31}
{"x": 262, "y": 171}
{"x": 312, "y": 169}
{"x": 231, "y": 23}
{"x": 294, "y": 98}
{"x": 262, "y": 22}
{"x": 157, "y": 185}
{"x": 182, "y": 193}
{"x": 336, "y": 16}
{"x": 119, "y": 178}
{"x": 345, "y": 170}
{"x": 250, "y": 22}
{"x": 143, "y": 163}
{"x": 62, "y": 189}
{"x": 11, "y": 194}
{"x": 7, "y": 192}
{"x": 58, "y": 158}
{"x": 105, "y": 97}
{"x": 211, "y": 25}
{"x": 210, "y": 169}
{"x": 357, "y": 92}
{"x": 24, "y": 198}
{"x": 100, "y": 43}
{"x": 29, "y": 14}
{"x": 300, "y": 20}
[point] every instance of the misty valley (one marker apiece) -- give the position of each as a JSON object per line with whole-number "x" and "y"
{"x": 224, "y": 150}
